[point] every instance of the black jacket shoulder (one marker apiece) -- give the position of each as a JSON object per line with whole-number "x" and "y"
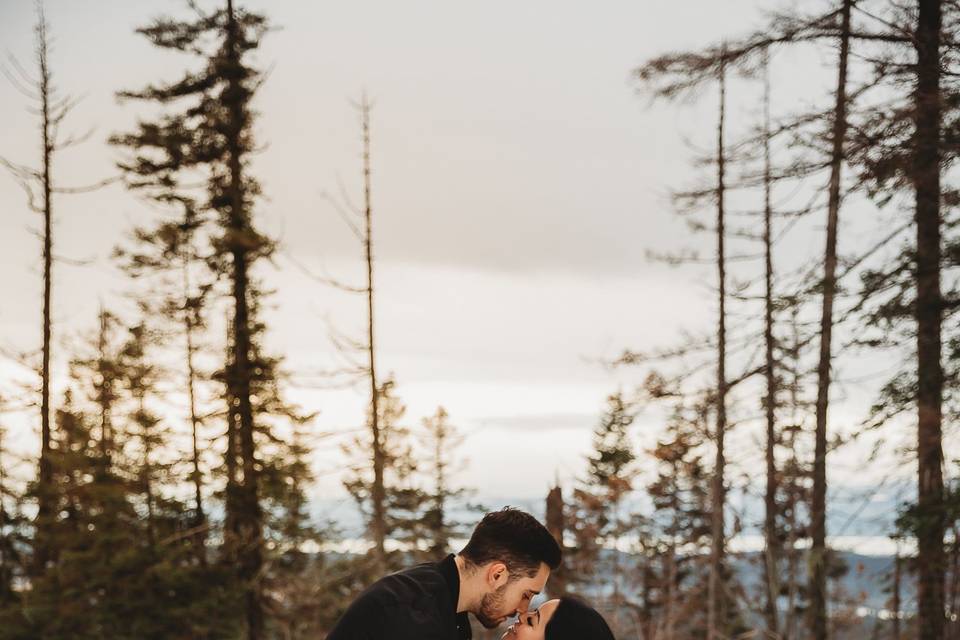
{"x": 413, "y": 604}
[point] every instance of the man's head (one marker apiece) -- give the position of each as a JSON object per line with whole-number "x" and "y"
{"x": 513, "y": 554}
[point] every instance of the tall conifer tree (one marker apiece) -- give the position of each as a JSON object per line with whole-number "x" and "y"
{"x": 404, "y": 499}
{"x": 441, "y": 440}
{"x": 52, "y": 108}
{"x": 207, "y": 127}
{"x": 599, "y": 518}
{"x": 925, "y": 175}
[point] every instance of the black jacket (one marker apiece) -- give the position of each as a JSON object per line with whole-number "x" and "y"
{"x": 419, "y": 603}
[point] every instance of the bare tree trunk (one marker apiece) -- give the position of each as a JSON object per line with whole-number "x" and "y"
{"x": 716, "y": 609}
{"x": 231, "y": 533}
{"x": 554, "y": 519}
{"x": 69, "y": 441}
{"x": 556, "y": 525}
{"x": 615, "y": 563}
{"x": 953, "y": 595}
{"x": 199, "y": 518}
{"x": 818, "y": 550}
{"x": 146, "y": 470}
{"x": 897, "y": 564}
{"x": 6, "y": 560}
{"x": 439, "y": 481}
{"x": 791, "y": 629}
{"x": 671, "y": 590}
{"x": 646, "y": 600}
{"x": 249, "y": 524}
{"x": 194, "y": 425}
{"x": 43, "y": 549}
{"x": 929, "y": 314}
{"x": 771, "y": 555}
{"x": 378, "y": 527}
{"x": 440, "y": 541}
{"x": 105, "y": 389}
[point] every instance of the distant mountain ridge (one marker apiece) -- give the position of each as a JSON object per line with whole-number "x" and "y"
{"x": 865, "y": 549}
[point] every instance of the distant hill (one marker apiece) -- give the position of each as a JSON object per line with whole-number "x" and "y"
{"x": 866, "y": 581}
{"x": 862, "y": 589}
{"x": 864, "y": 584}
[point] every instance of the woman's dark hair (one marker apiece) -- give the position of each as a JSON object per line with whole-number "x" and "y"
{"x": 514, "y": 538}
{"x": 575, "y": 620}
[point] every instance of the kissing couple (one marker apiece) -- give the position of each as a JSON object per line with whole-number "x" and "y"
{"x": 505, "y": 564}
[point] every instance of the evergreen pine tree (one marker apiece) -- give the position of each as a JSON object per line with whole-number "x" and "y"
{"x": 600, "y": 519}
{"x": 125, "y": 568}
{"x": 680, "y": 494}
{"x": 440, "y": 440}
{"x": 404, "y": 499}
{"x": 166, "y": 259}
{"x": 51, "y": 107}
{"x": 14, "y": 540}
{"x": 206, "y": 127}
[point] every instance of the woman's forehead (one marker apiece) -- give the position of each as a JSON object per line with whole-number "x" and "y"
{"x": 547, "y": 608}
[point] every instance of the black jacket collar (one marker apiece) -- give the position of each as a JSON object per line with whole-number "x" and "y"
{"x": 448, "y": 569}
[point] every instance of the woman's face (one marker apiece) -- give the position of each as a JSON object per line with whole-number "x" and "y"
{"x": 533, "y": 624}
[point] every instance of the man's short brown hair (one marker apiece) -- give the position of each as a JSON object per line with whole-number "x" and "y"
{"x": 515, "y": 538}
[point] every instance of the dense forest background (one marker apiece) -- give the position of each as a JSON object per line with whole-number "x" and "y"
{"x": 776, "y": 463}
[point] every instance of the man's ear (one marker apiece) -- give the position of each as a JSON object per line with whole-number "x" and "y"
{"x": 497, "y": 575}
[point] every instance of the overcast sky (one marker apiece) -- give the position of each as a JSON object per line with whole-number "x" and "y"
{"x": 519, "y": 182}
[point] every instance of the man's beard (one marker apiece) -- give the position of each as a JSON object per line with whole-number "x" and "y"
{"x": 489, "y": 615}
